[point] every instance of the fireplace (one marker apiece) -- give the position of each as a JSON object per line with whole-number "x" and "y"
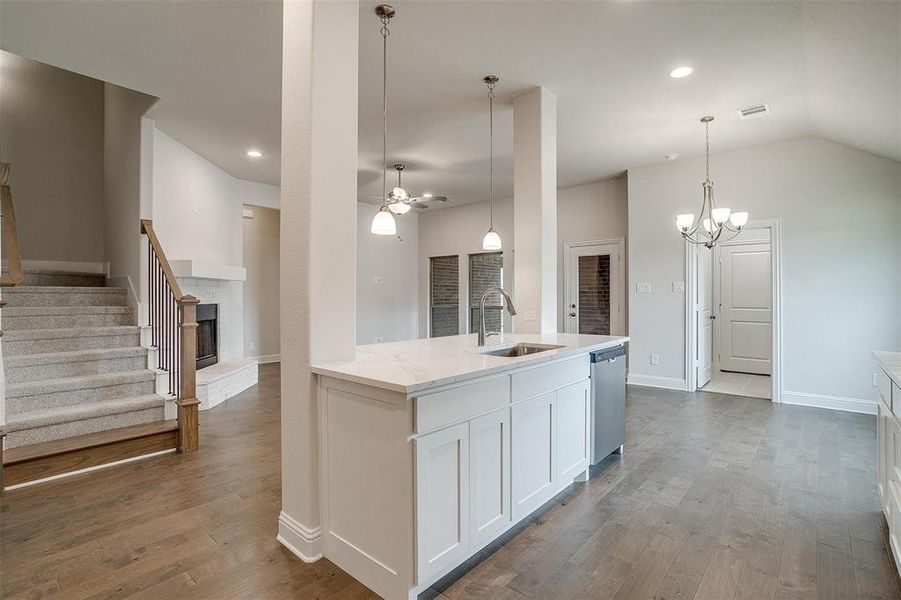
{"x": 207, "y": 335}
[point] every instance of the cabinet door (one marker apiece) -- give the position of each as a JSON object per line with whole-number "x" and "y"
{"x": 532, "y": 455}
{"x": 489, "y": 471}
{"x": 442, "y": 499}
{"x": 573, "y": 443}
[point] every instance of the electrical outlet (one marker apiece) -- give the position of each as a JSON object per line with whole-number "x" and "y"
{"x": 875, "y": 381}
{"x": 377, "y": 280}
{"x": 643, "y": 287}
{"x": 253, "y": 346}
{"x": 678, "y": 286}
{"x": 530, "y": 315}
{"x": 655, "y": 359}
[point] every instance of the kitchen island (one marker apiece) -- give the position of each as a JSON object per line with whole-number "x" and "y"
{"x": 430, "y": 449}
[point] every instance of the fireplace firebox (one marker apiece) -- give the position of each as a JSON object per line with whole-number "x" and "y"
{"x": 207, "y": 335}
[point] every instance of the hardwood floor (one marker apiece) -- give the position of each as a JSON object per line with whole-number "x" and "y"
{"x": 717, "y": 497}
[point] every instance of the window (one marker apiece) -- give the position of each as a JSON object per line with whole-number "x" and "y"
{"x": 486, "y": 271}
{"x": 444, "y": 295}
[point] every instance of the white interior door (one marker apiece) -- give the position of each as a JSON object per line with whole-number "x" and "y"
{"x": 704, "y": 321}
{"x": 746, "y": 308}
{"x": 593, "y": 288}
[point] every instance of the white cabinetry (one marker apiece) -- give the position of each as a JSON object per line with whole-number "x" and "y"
{"x": 888, "y": 444}
{"x": 489, "y": 472}
{"x": 534, "y": 476}
{"x": 442, "y": 476}
{"x": 573, "y": 444}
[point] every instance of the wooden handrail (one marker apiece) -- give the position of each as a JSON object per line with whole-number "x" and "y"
{"x": 173, "y": 326}
{"x": 147, "y": 229}
{"x": 10, "y": 232}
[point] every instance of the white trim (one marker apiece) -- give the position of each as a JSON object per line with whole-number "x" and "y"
{"x": 205, "y": 270}
{"x": 774, "y": 225}
{"x": 267, "y": 358}
{"x": 855, "y": 405}
{"x": 617, "y": 276}
{"x": 669, "y": 383}
{"x": 302, "y": 541}
{"x": 88, "y": 469}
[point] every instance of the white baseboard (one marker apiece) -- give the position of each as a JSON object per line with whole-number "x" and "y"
{"x": 855, "y": 405}
{"x": 669, "y": 383}
{"x": 267, "y": 358}
{"x": 302, "y": 541}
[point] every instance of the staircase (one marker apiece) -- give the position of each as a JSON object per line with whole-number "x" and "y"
{"x": 73, "y": 358}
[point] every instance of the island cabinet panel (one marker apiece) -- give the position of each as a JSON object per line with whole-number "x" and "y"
{"x": 533, "y": 477}
{"x": 442, "y": 408}
{"x": 489, "y": 476}
{"x": 442, "y": 499}
{"x": 573, "y": 442}
{"x": 882, "y": 469}
{"x": 547, "y": 378}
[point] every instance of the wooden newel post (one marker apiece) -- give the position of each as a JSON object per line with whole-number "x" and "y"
{"x": 188, "y": 418}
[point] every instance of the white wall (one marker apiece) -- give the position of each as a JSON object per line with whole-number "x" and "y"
{"x": 261, "y": 289}
{"x": 196, "y": 211}
{"x": 592, "y": 211}
{"x": 840, "y": 213}
{"x": 595, "y": 211}
{"x": 387, "y": 279}
{"x": 51, "y": 132}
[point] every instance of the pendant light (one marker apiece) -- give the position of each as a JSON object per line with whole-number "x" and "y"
{"x": 400, "y": 199}
{"x": 491, "y": 241}
{"x": 717, "y": 220}
{"x": 383, "y": 222}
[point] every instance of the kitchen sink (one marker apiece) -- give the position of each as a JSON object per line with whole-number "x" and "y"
{"x": 522, "y": 350}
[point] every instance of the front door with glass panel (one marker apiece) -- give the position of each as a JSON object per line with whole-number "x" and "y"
{"x": 593, "y": 288}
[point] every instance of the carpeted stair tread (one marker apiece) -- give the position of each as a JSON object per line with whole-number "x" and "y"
{"x": 81, "y": 382}
{"x": 69, "y": 332}
{"x": 50, "y": 358}
{"x": 63, "y": 289}
{"x": 54, "y": 311}
{"x": 80, "y": 412}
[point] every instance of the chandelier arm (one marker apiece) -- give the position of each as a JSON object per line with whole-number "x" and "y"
{"x": 692, "y": 240}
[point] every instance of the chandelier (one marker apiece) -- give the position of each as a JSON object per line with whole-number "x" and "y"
{"x": 712, "y": 220}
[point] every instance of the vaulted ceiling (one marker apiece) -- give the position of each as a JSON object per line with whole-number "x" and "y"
{"x": 830, "y": 69}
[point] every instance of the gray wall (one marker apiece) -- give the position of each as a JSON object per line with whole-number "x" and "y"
{"x": 261, "y": 289}
{"x": 51, "y": 132}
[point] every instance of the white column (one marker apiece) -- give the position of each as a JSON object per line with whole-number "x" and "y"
{"x": 318, "y": 239}
{"x": 535, "y": 210}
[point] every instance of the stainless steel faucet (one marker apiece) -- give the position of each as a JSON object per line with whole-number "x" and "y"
{"x": 510, "y": 308}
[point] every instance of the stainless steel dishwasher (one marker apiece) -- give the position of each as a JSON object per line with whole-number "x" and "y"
{"x": 608, "y": 402}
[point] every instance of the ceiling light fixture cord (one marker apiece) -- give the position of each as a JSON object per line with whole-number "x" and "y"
{"x": 491, "y": 153}
{"x": 385, "y": 33}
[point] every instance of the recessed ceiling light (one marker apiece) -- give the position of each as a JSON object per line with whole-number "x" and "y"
{"x": 427, "y": 195}
{"x": 671, "y": 156}
{"x": 680, "y": 72}
{"x": 254, "y": 153}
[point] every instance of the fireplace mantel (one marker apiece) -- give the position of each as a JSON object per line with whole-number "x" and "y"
{"x": 207, "y": 270}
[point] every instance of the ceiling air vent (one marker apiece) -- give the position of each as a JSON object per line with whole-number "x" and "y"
{"x": 751, "y": 112}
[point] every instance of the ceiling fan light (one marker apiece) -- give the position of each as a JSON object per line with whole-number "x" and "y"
{"x": 399, "y": 193}
{"x": 491, "y": 241}
{"x": 383, "y": 223}
{"x": 685, "y": 221}
{"x": 738, "y": 219}
{"x": 399, "y": 208}
{"x": 720, "y": 215}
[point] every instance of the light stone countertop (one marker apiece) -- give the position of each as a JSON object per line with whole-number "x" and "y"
{"x": 416, "y": 365}
{"x": 890, "y": 363}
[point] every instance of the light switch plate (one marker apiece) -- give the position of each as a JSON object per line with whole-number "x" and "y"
{"x": 655, "y": 359}
{"x": 377, "y": 279}
{"x": 678, "y": 286}
{"x": 643, "y": 287}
